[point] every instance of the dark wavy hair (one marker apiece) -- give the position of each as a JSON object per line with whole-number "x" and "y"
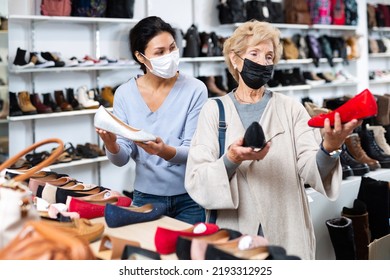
{"x": 144, "y": 31}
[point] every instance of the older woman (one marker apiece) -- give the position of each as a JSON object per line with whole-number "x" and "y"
{"x": 262, "y": 192}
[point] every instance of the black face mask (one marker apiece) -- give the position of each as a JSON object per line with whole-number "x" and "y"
{"x": 255, "y": 75}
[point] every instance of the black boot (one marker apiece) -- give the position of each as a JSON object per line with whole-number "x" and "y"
{"x": 72, "y": 100}
{"x": 14, "y": 108}
{"x": 342, "y": 237}
{"x": 357, "y": 167}
{"x": 372, "y": 149}
{"x": 49, "y": 101}
{"x": 375, "y": 194}
{"x": 361, "y": 229}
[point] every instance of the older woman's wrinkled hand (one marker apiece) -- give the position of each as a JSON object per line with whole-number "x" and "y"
{"x": 237, "y": 153}
{"x": 334, "y": 137}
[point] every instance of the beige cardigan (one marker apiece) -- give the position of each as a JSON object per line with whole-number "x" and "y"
{"x": 270, "y": 191}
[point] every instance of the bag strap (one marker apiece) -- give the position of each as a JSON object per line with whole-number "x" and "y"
{"x": 54, "y": 155}
{"x": 221, "y": 139}
{"x": 221, "y": 127}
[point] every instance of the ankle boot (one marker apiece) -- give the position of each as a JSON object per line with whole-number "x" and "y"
{"x": 41, "y": 108}
{"x": 84, "y": 100}
{"x": 358, "y": 168}
{"x": 347, "y": 171}
{"x": 342, "y": 238}
{"x": 48, "y": 101}
{"x": 361, "y": 230}
{"x": 4, "y": 110}
{"x": 20, "y": 59}
{"x": 383, "y": 116}
{"x": 375, "y": 195}
{"x": 355, "y": 149}
{"x": 372, "y": 149}
{"x": 72, "y": 100}
{"x": 98, "y": 97}
{"x": 14, "y": 109}
{"x": 379, "y": 135}
{"x": 25, "y": 103}
{"x": 108, "y": 95}
{"x": 61, "y": 102}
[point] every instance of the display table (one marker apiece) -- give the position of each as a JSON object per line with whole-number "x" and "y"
{"x": 142, "y": 232}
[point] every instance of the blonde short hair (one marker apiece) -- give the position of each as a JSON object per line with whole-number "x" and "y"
{"x": 251, "y": 33}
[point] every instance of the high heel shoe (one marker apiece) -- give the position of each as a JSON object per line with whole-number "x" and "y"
{"x": 116, "y": 216}
{"x": 165, "y": 239}
{"x": 108, "y": 122}
{"x": 359, "y": 107}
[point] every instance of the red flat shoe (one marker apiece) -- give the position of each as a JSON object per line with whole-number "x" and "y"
{"x": 165, "y": 239}
{"x": 95, "y": 208}
{"x": 359, "y": 107}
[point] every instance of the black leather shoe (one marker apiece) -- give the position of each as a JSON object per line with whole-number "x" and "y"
{"x": 357, "y": 167}
{"x": 347, "y": 171}
{"x": 372, "y": 149}
{"x": 254, "y": 137}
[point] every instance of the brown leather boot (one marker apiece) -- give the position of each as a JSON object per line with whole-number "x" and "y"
{"x": 25, "y": 103}
{"x": 61, "y": 101}
{"x": 108, "y": 95}
{"x": 356, "y": 151}
{"x": 383, "y": 116}
{"x": 41, "y": 108}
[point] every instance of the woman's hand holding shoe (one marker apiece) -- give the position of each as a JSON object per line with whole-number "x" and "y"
{"x": 109, "y": 140}
{"x": 237, "y": 153}
{"x": 334, "y": 137}
{"x": 158, "y": 148}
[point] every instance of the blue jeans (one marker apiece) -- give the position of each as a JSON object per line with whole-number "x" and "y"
{"x": 180, "y": 207}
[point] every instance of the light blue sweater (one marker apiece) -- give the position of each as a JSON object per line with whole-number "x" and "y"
{"x": 175, "y": 122}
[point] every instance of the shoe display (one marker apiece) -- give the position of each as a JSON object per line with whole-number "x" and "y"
{"x": 116, "y": 216}
{"x": 61, "y": 101}
{"x": 41, "y": 108}
{"x": 372, "y": 149}
{"x": 84, "y": 100}
{"x": 359, "y": 107}
{"x": 25, "y": 103}
{"x": 108, "y": 95}
{"x": 194, "y": 247}
{"x": 165, "y": 239}
{"x": 109, "y": 122}
{"x": 379, "y": 136}
{"x": 112, "y": 248}
{"x": 355, "y": 149}
{"x": 49, "y": 101}
{"x": 91, "y": 209}
{"x": 20, "y": 60}
{"x": 358, "y": 168}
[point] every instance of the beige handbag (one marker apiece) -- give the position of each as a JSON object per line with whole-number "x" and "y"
{"x": 16, "y": 205}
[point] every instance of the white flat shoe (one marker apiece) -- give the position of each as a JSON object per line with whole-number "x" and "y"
{"x": 108, "y": 122}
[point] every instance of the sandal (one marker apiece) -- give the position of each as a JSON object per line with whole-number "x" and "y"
{"x": 72, "y": 151}
{"x": 86, "y": 152}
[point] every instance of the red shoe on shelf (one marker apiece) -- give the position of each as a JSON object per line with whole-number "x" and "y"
{"x": 90, "y": 209}
{"x": 165, "y": 239}
{"x": 359, "y": 107}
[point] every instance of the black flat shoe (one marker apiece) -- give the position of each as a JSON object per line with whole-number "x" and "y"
{"x": 254, "y": 137}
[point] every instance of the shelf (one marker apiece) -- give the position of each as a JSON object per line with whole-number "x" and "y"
{"x": 203, "y": 59}
{"x": 282, "y": 61}
{"x": 37, "y": 18}
{"x": 55, "y": 115}
{"x": 78, "y": 162}
{"x": 379, "y": 81}
{"x": 305, "y": 26}
{"x": 378, "y": 55}
{"x": 2, "y": 121}
{"x": 308, "y": 87}
{"x": 380, "y": 29}
{"x": 72, "y": 69}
